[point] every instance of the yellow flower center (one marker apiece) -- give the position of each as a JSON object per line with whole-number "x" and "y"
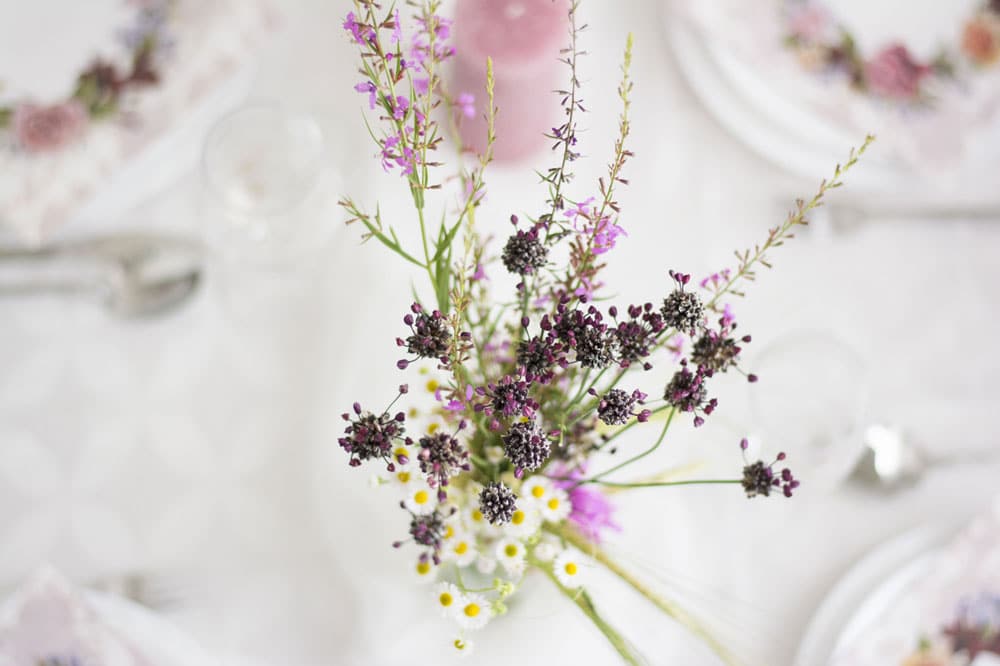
{"x": 421, "y": 497}
{"x": 510, "y": 550}
{"x": 423, "y": 568}
{"x": 518, "y": 517}
{"x": 570, "y": 568}
{"x": 412, "y": 413}
{"x": 537, "y": 492}
{"x": 477, "y": 516}
{"x": 472, "y": 610}
{"x": 459, "y": 644}
{"x": 433, "y": 428}
{"x": 432, "y": 385}
{"x": 554, "y": 503}
{"x": 400, "y": 451}
{"x": 462, "y": 548}
{"x": 404, "y": 477}
{"x": 446, "y": 599}
{"x": 449, "y": 532}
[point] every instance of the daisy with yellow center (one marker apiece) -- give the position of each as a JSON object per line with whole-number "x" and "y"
{"x": 425, "y": 571}
{"x": 568, "y": 568}
{"x": 535, "y": 491}
{"x": 460, "y": 549}
{"x": 463, "y": 646}
{"x": 510, "y": 553}
{"x": 556, "y": 507}
{"x": 448, "y": 599}
{"x": 473, "y": 612}
{"x": 524, "y": 523}
{"x": 420, "y": 498}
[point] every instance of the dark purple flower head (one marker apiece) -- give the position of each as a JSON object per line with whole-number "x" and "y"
{"x": 428, "y": 531}
{"x": 526, "y": 446}
{"x": 617, "y": 406}
{"x": 539, "y": 356}
{"x": 717, "y": 351}
{"x": 524, "y": 252}
{"x": 584, "y": 332}
{"x": 441, "y": 457}
{"x": 508, "y": 397}
{"x": 497, "y": 503}
{"x": 368, "y": 436}
{"x": 760, "y": 478}
{"x": 430, "y": 336}
{"x": 635, "y": 336}
{"x": 688, "y": 393}
{"x": 683, "y": 310}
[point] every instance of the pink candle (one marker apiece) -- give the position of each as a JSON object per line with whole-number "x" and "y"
{"x": 523, "y": 37}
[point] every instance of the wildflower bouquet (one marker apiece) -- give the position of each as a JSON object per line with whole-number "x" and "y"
{"x": 497, "y": 481}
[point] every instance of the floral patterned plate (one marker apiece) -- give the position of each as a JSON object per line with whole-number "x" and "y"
{"x": 943, "y": 151}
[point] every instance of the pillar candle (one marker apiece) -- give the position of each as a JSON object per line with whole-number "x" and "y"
{"x": 524, "y": 38}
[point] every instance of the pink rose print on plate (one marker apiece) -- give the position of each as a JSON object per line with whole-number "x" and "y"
{"x": 40, "y": 129}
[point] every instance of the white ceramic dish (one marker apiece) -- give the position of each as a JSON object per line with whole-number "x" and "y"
{"x": 158, "y": 640}
{"x": 865, "y": 594}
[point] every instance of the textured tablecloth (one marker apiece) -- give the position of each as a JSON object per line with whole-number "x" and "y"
{"x": 204, "y": 445}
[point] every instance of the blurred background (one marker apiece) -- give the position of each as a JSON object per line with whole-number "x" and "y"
{"x": 184, "y": 315}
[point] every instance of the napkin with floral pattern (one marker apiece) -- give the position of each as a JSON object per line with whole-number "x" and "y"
{"x": 49, "y": 623}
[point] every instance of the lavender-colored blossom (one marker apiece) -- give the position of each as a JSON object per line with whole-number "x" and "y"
{"x": 372, "y": 90}
{"x": 397, "y": 29}
{"x": 593, "y": 512}
{"x": 466, "y": 103}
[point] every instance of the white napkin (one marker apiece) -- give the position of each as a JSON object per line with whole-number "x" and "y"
{"x": 49, "y": 622}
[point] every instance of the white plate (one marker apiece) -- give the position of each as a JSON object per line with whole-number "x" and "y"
{"x": 866, "y": 593}
{"x": 158, "y": 640}
{"x": 799, "y": 139}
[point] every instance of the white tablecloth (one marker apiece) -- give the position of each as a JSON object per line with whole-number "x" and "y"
{"x": 204, "y": 445}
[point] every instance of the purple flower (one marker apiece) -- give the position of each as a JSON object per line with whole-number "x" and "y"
{"x": 430, "y": 336}
{"x": 893, "y": 73}
{"x": 360, "y": 34}
{"x": 593, "y": 512}
{"x": 467, "y": 104}
{"x": 400, "y": 108}
{"x": 759, "y": 478}
{"x": 635, "y": 336}
{"x": 39, "y": 129}
{"x": 507, "y": 397}
{"x": 605, "y": 234}
{"x": 397, "y": 29}
{"x": 368, "y": 87}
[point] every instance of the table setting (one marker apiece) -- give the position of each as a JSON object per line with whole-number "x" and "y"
{"x": 369, "y": 333}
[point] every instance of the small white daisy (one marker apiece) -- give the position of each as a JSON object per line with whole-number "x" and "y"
{"x": 425, "y": 571}
{"x": 545, "y": 551}
{"x": 524, "y": 523}
{"x": 463, "y": 645}
{"x": 448, "y": 599}
{"x": 476, "y": 523}
{"x": 473, "y": 612}
{"x": 510, "y": 553}
{"x": 460, "y": 548}
{"x": 535, "y": 490}
{"x": 556, "y": 507}
{"x": 486, "y": 565}
{"x": 420, "y": 499}
{"x": 568, "y": 568}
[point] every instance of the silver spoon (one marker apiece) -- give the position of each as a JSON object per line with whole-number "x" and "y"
{"x": 891, "y": 462}
{"x": 133, "y": 275}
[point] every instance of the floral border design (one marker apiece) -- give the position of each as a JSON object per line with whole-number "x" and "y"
{"x": 975, "y": 630}
{"x": 99, "y": 89}
{"x": 893, "y": 73}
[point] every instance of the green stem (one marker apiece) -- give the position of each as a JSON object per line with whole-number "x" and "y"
{"x": 663, "y": 484}
{"x": 586, "y": 605}
{"x": 671, "y": 609}
{"x": 638, "y": 456}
